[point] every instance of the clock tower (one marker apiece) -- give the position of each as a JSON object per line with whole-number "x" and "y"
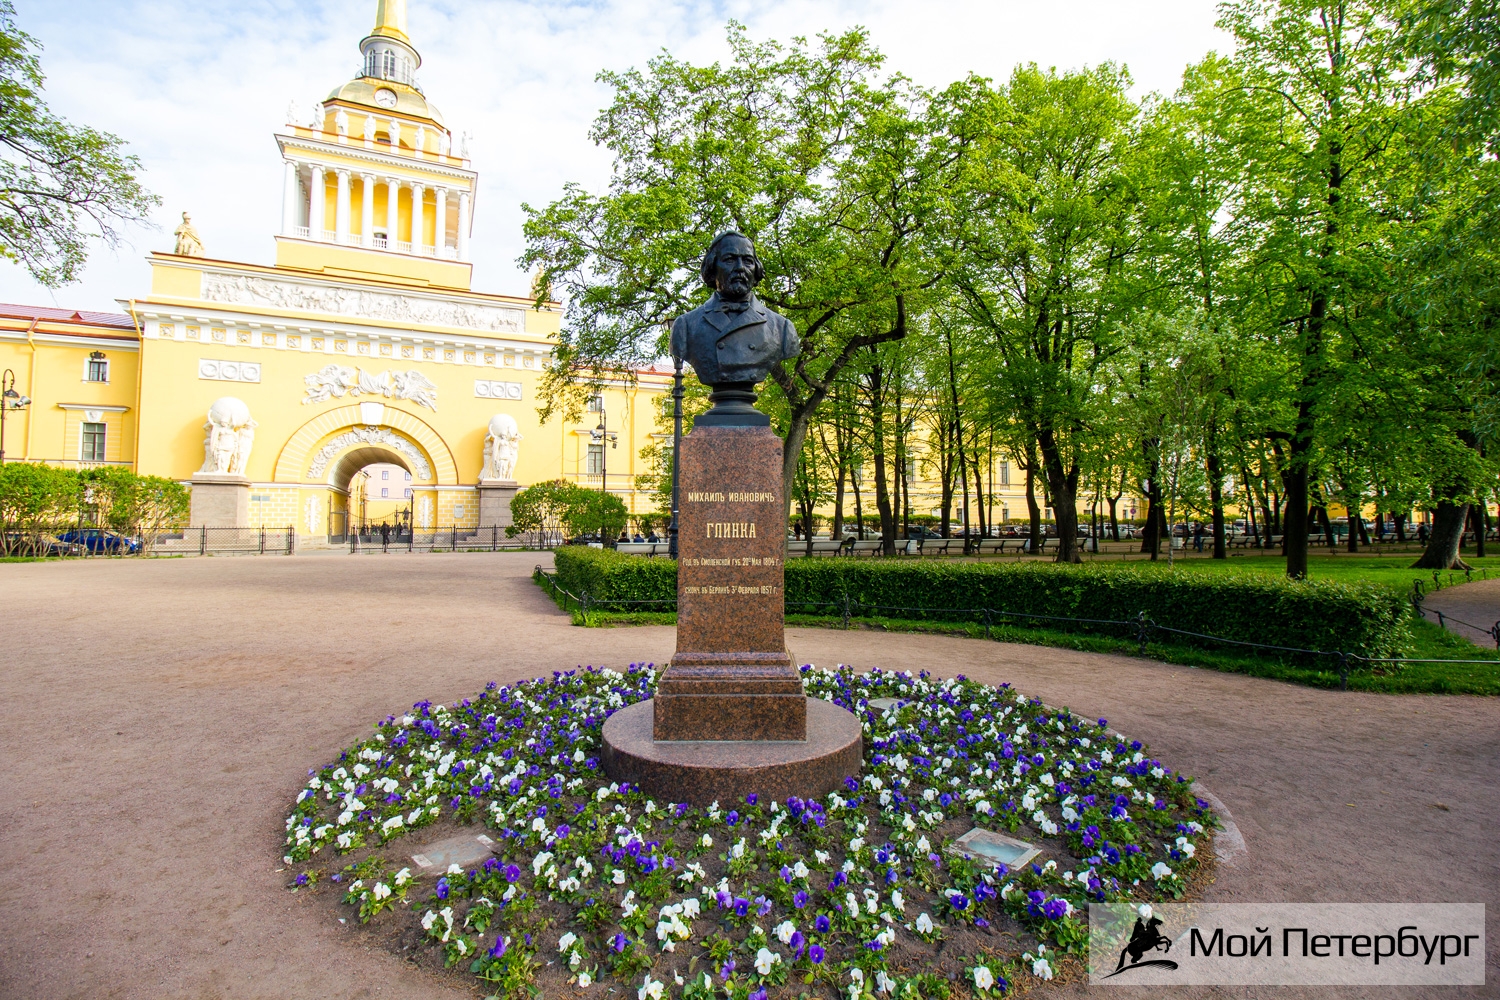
{"x": 373, "y": 184}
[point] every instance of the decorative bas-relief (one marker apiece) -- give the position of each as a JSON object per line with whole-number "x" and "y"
{"x": 231, "y": 434}
{"x": 502, "y": 444}
{"x": 340, "y": 380}
{"x": 254, "y": 290}
{"x": 228, "y": 371}
{"x": 370, "y": 435}
{"x": 487, "y": 389}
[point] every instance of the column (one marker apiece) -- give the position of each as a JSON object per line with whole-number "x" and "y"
{"x": 367, "y": 210}
{"x": 289, "y": 200}
{"x": 317, "y": 197}
{"x": 463, "y": 225}
{"x": 341, "y": 210}
{"x": 418, "y": 192}
{"x": 392, "y": 211}
{"x": 440, "y": 231}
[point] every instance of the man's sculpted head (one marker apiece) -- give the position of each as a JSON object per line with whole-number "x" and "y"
{"x": 731, "y": 268}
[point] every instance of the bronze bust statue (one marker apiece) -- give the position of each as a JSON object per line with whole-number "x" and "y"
{"x": 732, "y": 340}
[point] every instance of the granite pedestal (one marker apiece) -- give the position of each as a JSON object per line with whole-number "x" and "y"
{"x": 730, "y": 716}
{"x": 703, "y": 771}
{"x": 219, "y": 500}
{"x": 495, "y": 496}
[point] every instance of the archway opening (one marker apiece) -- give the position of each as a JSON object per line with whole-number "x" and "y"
{"x": 376, "y": 485}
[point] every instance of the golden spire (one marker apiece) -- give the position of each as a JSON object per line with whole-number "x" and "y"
{"x": 390, "y": 20}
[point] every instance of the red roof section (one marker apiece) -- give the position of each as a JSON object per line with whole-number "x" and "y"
{"x": 119, "y": 321}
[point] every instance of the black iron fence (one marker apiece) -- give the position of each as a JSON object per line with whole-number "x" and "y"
{"x": 86, "y": 541}
{"x": 1141, "y": 629}
{"x": 454, "y": 538}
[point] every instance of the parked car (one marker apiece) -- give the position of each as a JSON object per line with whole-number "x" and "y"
{"x": 99, "y": 540}
{"x": 921, "y": 531}
{"x": 23, "y": 544}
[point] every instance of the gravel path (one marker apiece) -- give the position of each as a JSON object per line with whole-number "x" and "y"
{"x": 159, "y": 716}
{"x": 1476, "y": 605}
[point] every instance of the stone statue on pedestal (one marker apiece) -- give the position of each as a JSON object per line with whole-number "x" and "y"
{"x": 231, "y": 435}
{"x": 188, "y": 243}
{"x": 501, "y": 448}
{"x": 732, "y": 340}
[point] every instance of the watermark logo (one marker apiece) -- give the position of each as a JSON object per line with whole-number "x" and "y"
{"x": 1287, "y": 944}
{"x": 1145, "y": 937}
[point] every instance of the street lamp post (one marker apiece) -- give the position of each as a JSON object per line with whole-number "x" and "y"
{"x": 604, "y": 437}
{"x": 9, "y": 400}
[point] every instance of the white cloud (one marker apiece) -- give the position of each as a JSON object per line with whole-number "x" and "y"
{"x": 199, "y": 86}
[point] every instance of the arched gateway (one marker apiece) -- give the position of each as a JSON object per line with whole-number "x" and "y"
{"x": 266, "y": 387}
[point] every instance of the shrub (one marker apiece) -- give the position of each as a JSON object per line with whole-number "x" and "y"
{"x": 1312, "y": 614}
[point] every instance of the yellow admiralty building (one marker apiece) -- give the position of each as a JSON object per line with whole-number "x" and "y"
{"x": 270, "y": 389}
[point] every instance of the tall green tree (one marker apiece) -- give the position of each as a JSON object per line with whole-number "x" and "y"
{"x": 1045, "y": 220}
{"x": 1320, "y": 90}
{"x": 834, "y": 169}
{"x": 61, "y": 185}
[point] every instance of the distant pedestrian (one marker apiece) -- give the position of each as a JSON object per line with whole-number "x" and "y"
{"x": 385, "y": 534}
{"x": 1198, "y": 537}
{"x": 1422, "y": 533}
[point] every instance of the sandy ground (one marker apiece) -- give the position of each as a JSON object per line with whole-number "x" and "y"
{"x": 1476, "y": 605}
{"x": 160, "y": 715}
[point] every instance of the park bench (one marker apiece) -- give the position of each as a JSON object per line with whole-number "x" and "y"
{"x": 992, "y": 546}
{"x": 820, "y": 547}
{"x": 938, "y": 546}
{"x": 647, "y": 549}
{"x": 865, "y": 547}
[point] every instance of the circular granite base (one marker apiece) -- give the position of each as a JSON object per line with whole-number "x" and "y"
{"x": 702, "y": 771}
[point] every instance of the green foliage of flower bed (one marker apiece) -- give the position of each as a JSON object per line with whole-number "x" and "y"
{"x": 861, "y": 894}
{"x": 1361, "y": 619}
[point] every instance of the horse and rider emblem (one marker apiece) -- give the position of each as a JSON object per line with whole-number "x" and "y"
{"x": 1145, "y": 937}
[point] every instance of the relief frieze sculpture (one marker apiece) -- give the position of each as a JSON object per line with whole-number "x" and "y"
{"x": 340, "y": 380}
{"x": 370, "y": 435}
{"x": 253, "y": 290}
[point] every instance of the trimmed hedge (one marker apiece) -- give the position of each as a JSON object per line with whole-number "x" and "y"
{"x": 1362, "y": 619}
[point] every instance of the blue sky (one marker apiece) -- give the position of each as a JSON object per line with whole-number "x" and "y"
{"x": 198, "y": 87}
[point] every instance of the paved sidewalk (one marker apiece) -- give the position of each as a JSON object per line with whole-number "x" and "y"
{"x": 159, "y": 715}
{"x": 1476, "y": 606}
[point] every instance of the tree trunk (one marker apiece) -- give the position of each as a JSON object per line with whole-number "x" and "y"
{"x": 1398, "y": 521}
{"x": 1032, "y": 509}
{"x": 1062, "y": 485}
{"x": 877, "y": 439}
{"x": 1481, "y": 527}
{"x": 1216, "y": 501}
{"x": 1356, "y": 525}
{"x": 1151, "y": 534}
{"x": 1447, "y": 531}
{"x": 859, "y": 513}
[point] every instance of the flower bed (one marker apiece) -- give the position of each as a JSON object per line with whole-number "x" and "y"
{"x": 857, "y": 895}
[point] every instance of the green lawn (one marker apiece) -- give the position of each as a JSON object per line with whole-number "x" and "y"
{"x": 1479, "y": 675}
{"x": 1347, "y": 568}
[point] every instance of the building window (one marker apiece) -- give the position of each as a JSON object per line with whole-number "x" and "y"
{"x": 93, "y": 443}
{"x": 1004, "y": 473}
{"x": 408, "y": 492}
{"x": 596, "y": 459}
{"x": 408, "y": 477}
{"x": 385, "y": 473}
{"x": 596, "y": 404}
{"x": 385, "y": 491}
{"x": 98, "y": 369}
{"x": 911, "y": 469}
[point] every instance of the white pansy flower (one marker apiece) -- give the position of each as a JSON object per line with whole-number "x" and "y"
{"x": 764, "y": 960}
{"x": 924, "y": 923}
